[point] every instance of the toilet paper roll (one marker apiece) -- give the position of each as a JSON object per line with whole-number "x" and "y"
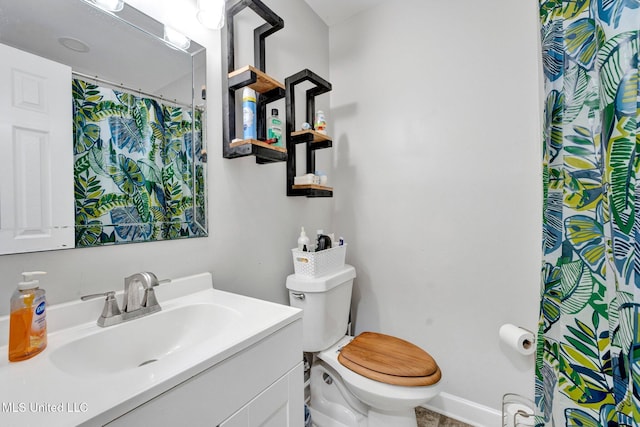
{"x": 518, "y": 338}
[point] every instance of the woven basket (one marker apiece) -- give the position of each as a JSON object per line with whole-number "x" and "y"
{"x": 315, "y": 264}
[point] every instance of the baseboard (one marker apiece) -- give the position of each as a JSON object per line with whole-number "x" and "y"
{"x": 465, "y": 410}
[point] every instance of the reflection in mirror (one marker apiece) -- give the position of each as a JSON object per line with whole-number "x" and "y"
{"x": 126, "y": 163}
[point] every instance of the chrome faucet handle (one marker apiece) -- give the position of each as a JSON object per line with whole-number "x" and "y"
{"x": 150, "y": 280}
{"x": 110, "y": 308}
{"x": 149, "y": 298}
{"x": 102, "y": 294}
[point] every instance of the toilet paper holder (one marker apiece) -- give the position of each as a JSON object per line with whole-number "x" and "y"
{"x": 517, "y": 411}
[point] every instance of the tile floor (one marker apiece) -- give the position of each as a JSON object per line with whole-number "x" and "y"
{"x": 427, "y": 418}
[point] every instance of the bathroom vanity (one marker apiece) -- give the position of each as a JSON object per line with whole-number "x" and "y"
{"x": 208, "y": 358}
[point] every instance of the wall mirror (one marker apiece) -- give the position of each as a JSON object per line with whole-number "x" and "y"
{"x": 101, "y": 127}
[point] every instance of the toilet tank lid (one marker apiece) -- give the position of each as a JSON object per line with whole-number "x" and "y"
{"x": 321, "y": 283}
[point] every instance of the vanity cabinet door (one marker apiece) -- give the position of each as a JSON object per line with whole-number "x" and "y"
{"x": 280, "y": 405}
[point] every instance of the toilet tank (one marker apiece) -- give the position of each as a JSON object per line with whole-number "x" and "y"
{"x": 325, "y": 302}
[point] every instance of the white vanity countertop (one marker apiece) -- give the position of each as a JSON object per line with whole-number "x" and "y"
{"x": 36, "y": 392}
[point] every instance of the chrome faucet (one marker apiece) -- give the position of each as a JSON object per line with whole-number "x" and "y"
{"x": 131, "y": 299}
{"x": 132, "y": 306}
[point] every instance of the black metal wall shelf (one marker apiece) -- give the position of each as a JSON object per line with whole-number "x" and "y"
{"x": 250, "y": 76}
{"x": 319, "y": 140}
{"x": 267, "y": 88}
{"x": 312, "y": 139}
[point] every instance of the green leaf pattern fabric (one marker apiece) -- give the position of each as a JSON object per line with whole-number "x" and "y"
{"x": 588, "y": 348}
{"x": 139, "y": 173}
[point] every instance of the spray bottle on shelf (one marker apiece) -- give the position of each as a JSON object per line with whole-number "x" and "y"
{"x": 249, "y": 129}
{"x": 27, "y": 322}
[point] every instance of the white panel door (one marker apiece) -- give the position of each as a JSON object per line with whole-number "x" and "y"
{"x": 36, "y": 153}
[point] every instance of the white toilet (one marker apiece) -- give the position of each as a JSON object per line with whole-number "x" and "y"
{"x": 372, "y": 380}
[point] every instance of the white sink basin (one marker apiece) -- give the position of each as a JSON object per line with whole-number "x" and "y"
{"x": 89, "y": 375}
{"x": 146, "y": 340}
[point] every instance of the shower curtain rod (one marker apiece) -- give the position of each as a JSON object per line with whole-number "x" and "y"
{"x": 134, "y": 91}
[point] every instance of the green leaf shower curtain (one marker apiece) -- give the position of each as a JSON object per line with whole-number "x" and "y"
{"x": 138, "y": 168}
{"x": 588, "y": 354}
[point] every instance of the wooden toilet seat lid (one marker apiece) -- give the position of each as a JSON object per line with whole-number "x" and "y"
{"x": 389, "y": 360}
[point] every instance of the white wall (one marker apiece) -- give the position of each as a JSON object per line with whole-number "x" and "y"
{"x": 436, "y": 114}
{"x": 253, "y": 225}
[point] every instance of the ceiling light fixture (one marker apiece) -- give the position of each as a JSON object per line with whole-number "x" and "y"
{"x": 211, "y": 13}
{"x": 74, "y": 44}
{"x": 109, "y": 5}
{"x": 176, "y": 39}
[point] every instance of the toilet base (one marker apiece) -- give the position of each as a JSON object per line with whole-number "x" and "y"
{"x": 321, "y": 420}
{"x": 397, "y": 419}
{"x": 332, "y": 405}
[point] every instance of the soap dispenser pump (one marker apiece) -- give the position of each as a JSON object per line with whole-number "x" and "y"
{"x": 303, "y": 241}
{"x": 27, "y": 322}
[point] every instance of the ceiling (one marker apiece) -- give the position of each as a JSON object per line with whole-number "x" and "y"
{"x": 44, "y": 28}
{"x": 336, "y": 11}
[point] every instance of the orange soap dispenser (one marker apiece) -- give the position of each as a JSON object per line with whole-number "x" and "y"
{"x": 27, "y": 322}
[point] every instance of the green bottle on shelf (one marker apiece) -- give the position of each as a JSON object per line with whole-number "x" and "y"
{"x": 274, "y": 128}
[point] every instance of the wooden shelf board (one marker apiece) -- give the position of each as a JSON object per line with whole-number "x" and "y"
{"x": 264, "y": 82}
{"x": 311, "y": 187}
{"x": 258, "y": 143}
{"x": 310, "y": 135}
